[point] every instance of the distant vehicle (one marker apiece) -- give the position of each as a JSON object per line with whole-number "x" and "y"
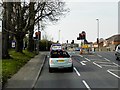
{"x": 77, "y": 49}
{"x": 56, "y": 47}
{"x": 117, "y": 52}
{"x": 60, "y": 60}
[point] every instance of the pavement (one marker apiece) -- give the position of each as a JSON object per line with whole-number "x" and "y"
{"x": 27, "y": 76}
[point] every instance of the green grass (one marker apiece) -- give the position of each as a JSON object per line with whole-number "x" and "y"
{"x": 11, "y": 66}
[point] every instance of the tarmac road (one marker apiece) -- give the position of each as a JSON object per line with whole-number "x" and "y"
{"x": 91, "y": 72}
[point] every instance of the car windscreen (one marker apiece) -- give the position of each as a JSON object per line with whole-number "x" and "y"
{"x": 59, "y": 54}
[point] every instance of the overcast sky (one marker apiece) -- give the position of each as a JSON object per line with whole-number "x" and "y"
{"x": 82, "y": 17}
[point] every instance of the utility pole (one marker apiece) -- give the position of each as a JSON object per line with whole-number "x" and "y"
{"x": 59, "y": 36}
{"x": 98, "y": 33}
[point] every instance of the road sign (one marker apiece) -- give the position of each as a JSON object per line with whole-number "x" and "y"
{"x": 13, "y": 44}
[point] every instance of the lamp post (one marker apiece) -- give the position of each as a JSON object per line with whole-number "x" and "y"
{"x": 98, "y": 33}
{"x": 59, "y": 36}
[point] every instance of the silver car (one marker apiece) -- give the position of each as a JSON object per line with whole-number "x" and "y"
{"x": 117, "y": 52}
{"x": 60, "y": 59}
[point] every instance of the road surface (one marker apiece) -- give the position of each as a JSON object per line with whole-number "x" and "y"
{"x": 91, "y": 72}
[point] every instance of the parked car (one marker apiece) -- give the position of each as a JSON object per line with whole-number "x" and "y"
{"x": 60, "y": 60}
{"x": 117, "y": 52}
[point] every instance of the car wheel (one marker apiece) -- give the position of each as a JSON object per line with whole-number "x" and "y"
{"x": 50, "y": 70}
{"x": 117, "y": 58}
{"x": 71, "y": 69}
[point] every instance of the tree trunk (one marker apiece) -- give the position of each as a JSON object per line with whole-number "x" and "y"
{"x": 5, "y": 34}
{"x": 31, "y": 30}
{"x": 19, "y": 43}
{"x": 31, "y": 42}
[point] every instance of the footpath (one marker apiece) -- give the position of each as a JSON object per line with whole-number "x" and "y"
{"x": 27, "y": 76}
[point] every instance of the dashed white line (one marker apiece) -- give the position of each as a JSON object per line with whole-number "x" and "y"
{"x": 113, "y": 74}
{"x": 107, "y": 59}
{"x": 97, "y": 65}
{"x": 76, "y": 71}
{"x": 99, "y": 55}
{"x": 87, "y": 86}
{"x": 87, "y": 59}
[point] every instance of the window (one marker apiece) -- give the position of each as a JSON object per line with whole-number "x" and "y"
{"x": 59, "y": 54}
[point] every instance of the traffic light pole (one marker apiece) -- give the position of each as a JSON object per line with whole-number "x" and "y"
{"x": 38, "y": 35}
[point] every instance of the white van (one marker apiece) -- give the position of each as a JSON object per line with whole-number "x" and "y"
{"x": 117, "y": 52}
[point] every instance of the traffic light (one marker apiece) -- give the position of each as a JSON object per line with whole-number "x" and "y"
{"x": 78, "y": 38}
{"x": 72, "y": 42}
{"x": 97, "y": 41}
{"x": 38, "y": 35}
{"x": 67, "y": 41}
{"x": 82, "y": 36}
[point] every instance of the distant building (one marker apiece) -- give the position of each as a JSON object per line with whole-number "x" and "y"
{"x": 112, "y": 42}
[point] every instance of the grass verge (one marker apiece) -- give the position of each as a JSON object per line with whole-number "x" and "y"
{"x": 11, "y": 66}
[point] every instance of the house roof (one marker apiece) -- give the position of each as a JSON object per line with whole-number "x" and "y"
{"x": 115, "y": 38}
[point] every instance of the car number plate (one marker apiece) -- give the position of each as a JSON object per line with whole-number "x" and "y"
{"x": 60, "y": 60}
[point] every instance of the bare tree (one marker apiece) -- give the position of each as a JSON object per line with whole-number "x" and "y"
{"x": 21, "y": 17}
{"x": 49, "y": 11}
{"x": 5, "y": 33}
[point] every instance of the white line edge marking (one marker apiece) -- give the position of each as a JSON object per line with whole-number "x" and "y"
{"x": 86, "y": 84}
{"x": 99, "y": 55}
{"x": 87, "y": 59}
{"x": 107, "y": 59}
{"x": 97, "y": 65}
{"x": 82, "y": 63}
{"x": 76, "y": 71}
{"x": 113, "y": 74}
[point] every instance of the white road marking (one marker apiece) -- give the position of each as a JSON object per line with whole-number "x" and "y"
{"x": 76, "y": 71}
{"x": 99, "y": 55}
{"x": 87, "y": 59}
{"x": 113, "y": 73}
{"x": 83, "y": 62}
{"x": 97, "y": 65}
{"x": 104, "y": 62}
{"x": 116, "y": 64}
{"x": 80, "y": 55}
{"x": 109, "y": 65}
{"x": 86, "y": 84}
{"x": 107, "y": 59}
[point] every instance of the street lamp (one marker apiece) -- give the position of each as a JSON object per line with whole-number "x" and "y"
{"x": 98, "y": 33}
{"x": 59, "y": 36}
